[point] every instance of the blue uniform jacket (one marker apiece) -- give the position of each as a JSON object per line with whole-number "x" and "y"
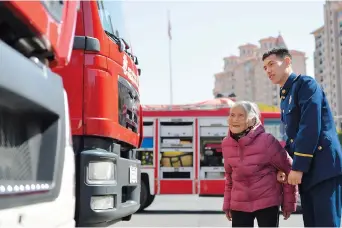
{"x": 312, "y": 139}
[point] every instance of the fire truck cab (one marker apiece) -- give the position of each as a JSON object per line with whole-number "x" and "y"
{"x": 181, "y": 151}
{"x": 102, "y": 82}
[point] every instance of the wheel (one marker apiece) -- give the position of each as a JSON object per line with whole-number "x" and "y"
{"x": 149, "y": 200}
{"x": 127, "y": 218}
{"x": 143, "y": 196}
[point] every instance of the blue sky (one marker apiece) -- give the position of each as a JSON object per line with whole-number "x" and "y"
{"x": 203, "y": 33}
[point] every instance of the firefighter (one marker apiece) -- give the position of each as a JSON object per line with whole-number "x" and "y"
{"x": 312, "y": 141}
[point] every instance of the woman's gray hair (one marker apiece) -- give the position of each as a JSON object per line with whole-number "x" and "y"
{"x": 251, "y": 109}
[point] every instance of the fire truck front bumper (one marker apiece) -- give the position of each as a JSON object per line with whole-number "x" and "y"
{"x": 109, "y": 188}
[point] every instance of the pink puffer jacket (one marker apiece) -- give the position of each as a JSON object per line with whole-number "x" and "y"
{"x": 251, "y": 166}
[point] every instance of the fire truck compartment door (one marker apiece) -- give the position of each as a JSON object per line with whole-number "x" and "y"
{"x": 213, "y": 131}
{"x": 176, "y": 131}
{"x": 209, "y": 121}
{"x": 148, "y": 131}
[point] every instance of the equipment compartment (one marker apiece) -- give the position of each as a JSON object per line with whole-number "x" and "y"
{"x": 176, "y": 129}
{"x": 213, "y": 131}
{"x": 211, "y": 152}
{"x": 176, "y": 149}
{"x": 148, "y": 131}
{"x": 176, "y": 159}
{"x": 209, "y": 121}
{"x": 176, "y": 143}
{"x": 146, "y": 157}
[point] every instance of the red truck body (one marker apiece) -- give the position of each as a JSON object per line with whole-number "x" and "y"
{"x": 102, "y": 82}
{"x": 93, "y": 87}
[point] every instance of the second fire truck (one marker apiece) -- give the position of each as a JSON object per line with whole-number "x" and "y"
{"x": 181, "y": 150}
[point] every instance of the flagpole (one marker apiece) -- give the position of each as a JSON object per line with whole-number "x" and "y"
{"x": 170, "y": 56}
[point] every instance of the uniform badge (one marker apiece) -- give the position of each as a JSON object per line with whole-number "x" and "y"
{"x": 290, "y": 99}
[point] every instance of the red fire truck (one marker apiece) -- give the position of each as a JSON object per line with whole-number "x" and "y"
{"x": 102, "y": 82}
{"x": 181, "y": 152}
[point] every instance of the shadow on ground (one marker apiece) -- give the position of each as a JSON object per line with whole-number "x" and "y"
{"x": 181, "y": 212}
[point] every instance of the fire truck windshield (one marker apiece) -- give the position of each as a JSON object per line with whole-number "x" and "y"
{"x": 112, "y": 18}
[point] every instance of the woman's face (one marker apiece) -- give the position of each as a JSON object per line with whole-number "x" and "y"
{"x": 237, "y": 120}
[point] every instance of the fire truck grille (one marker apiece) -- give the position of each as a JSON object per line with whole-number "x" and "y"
{"x": 28, "y": 142}
{"x": 128, "y": 103}
{"x": 19, "y": 148}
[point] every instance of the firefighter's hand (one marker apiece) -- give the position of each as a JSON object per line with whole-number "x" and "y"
{"x": 281, "y": 177}
{"x": 286, "y": 215}
{"x": 295, "y": 177}
{"x": 229, "y": 215}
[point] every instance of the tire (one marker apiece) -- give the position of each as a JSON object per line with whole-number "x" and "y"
{"x": 149, "y": 200}
{"x": 143, "y": 196}
{"x": 127, "y": 218}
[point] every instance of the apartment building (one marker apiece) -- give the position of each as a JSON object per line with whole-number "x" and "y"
{"x": 328, "y": 56}
{"x": 244, "y": 76}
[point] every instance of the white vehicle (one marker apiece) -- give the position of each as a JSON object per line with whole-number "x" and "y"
{"x": 37, "y": 166}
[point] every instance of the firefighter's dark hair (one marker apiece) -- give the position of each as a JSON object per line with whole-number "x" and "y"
{"x": 279, "y": 52}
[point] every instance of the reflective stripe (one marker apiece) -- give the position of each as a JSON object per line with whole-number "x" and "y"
{"x": 303, "y": 155}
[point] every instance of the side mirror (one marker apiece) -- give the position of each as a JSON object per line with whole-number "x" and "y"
{"x": 122, "y": 46}
{"x": 139, "y": 71}
{"x": 136, "y": 60}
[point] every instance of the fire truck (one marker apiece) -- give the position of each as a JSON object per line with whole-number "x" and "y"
{"x": 37, "y": 166}
{"x": 39, "y": 170}
{"x": 102, "y": 82}
{"x": 181, "y": 150}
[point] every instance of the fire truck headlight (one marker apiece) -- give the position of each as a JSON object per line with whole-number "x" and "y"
{"x": 101, "y": 171}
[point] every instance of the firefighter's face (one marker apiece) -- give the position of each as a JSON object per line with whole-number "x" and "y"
{"x": 237, "y": 120}
{"x": 276, "y": 69}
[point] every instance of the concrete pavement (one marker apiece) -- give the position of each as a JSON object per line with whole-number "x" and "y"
{"x": 189, "y": 211}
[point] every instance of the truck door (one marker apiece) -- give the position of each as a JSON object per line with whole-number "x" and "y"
{"x": 211, "y": 132}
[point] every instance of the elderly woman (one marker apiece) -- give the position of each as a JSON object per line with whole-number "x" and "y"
{"x": 252, "y": 159}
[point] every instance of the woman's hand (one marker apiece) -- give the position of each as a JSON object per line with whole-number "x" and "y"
{"x": 286, "y": 215}
{"x": 281, "y": 177}
{"x": 229, "y": 215}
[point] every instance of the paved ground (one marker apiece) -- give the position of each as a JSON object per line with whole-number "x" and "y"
{"x": 189, "y": 211}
